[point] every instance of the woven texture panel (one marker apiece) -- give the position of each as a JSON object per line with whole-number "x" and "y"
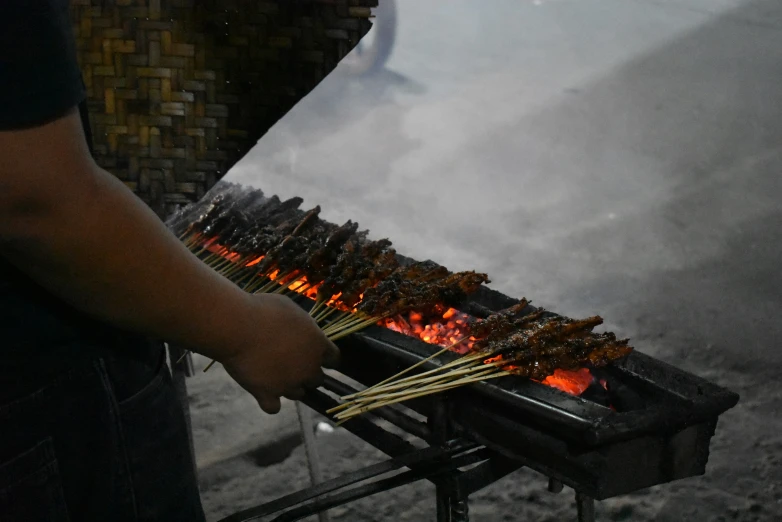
{"x": 180, "y": 90}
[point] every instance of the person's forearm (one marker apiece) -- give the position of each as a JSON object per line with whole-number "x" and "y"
{"x": 102, "y": 250}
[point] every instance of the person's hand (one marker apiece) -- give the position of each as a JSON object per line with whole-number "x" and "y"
{"x": 281, "y": 353}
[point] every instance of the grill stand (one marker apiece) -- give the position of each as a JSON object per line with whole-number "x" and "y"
{"x": 313, "y": 461}
{"x": 439, "y": 463}
{"x": 450, "y": 507}
{"x": 586, "y": 508}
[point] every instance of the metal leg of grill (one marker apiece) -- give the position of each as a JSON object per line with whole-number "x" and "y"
{"x": 555, "y": 486}
{"x": 313, "y": 461}
{"x": 428, "y": 463}
{"x": 450, "y": 508}
{"x": 586, "y": 508}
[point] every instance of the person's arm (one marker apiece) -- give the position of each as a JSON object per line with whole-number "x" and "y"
{"x": 83, "y": 235}
{"x": 80, "y": 233}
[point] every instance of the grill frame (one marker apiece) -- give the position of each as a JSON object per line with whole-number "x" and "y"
{"x": 660, "y": 433}
{"x": 600, "y": 468}
{"x": 599, "y": 452}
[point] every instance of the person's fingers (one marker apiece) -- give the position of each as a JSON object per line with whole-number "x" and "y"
{"x": 315, "y": 381}
{"x": 269, "y": 403}
{"x": 331, "y": 355}
{"x": 296, "y": 395}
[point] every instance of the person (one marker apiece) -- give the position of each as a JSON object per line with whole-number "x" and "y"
{"x": 91, "y": 281}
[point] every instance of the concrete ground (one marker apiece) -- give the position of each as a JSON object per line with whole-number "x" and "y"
{"x": 620, "y": 157}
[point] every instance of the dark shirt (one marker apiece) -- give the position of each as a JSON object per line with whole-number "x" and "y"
{"x": 40, "y": 81}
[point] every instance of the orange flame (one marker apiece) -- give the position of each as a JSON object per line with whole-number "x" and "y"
{"x": 574, "y": 383}
{"x": 441, "y": 329}
{"x": 453, "y": 325}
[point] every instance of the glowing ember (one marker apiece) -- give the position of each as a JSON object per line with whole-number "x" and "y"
{"x": 452, "y": 326}
{"x": 442, "y": 329}
{"x": 213, "y": 247}
{"x": 298, "y": 284}
{"x": 574, "y": 383}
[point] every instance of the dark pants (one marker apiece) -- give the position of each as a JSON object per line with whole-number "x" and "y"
{"x": 105, "y": 440}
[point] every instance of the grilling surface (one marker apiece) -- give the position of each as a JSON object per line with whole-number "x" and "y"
{"x": 610, "y": 430}
{"x": 265, "y": 245}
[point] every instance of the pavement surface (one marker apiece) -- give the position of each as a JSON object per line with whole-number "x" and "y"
{"x": 612, "y": 157}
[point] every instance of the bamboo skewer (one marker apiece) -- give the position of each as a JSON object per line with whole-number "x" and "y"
{"x": 358, "y": 408}
{"x": 236, "y": 269}
{"x": 361, "y": 326}
{"x": 345, "y": 416}
{"x": 413, "y": 367}
{"x": 450, "y": 378}
{"x": 467, "y": 359}
{"x": 334, "y": 327}
{"x": 415, "y": 379}
{"x": 230, "y": 264}
{"x": 212, "y": 257}
{"x": 329, "y": 311}
{"x": 285, "y": 286}
{"x": 344, "y": 319}
{"x": 412, "y": 383}
{"x": 352, "y": 327}
{"x": 245, "y": 280}
{"x": 281, "y": 290}
{"x": 429, "y": 380}
{"x": 244, "y": 263}
{"x": 271, "y": 284}
{"x": 190, "y": 240}
{"x": 223, "y": 265}
{"x": 343, "y": 324}
{"x": 350, "y": 320}
{"x": 202, "y": 246}
{"x": 268, "y": 286}
{"x": 204, "y": 251}
{"x": 325, "y": 316}
{"x": 217, "y": 257}
{"x": 261, "y": 287}
{"x": 253, "y": 286}
{"x": 237, "y": 259}
{"x": 197, "y": 240}
{"x": 323, "y": 310}
{"x": 300, "y": 290}
{"x": 319, "y": 303}
{"x": 433, "y": 383}
{"x": 336, "y": 323}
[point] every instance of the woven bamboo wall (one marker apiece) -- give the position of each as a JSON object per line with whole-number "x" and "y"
{"x": 180, "y": 90}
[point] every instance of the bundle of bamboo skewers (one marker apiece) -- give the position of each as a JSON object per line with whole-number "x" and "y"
{"x": 270, "y": 246}
{"x": 266, "y": 245}
{"x": 511, "y": 342}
